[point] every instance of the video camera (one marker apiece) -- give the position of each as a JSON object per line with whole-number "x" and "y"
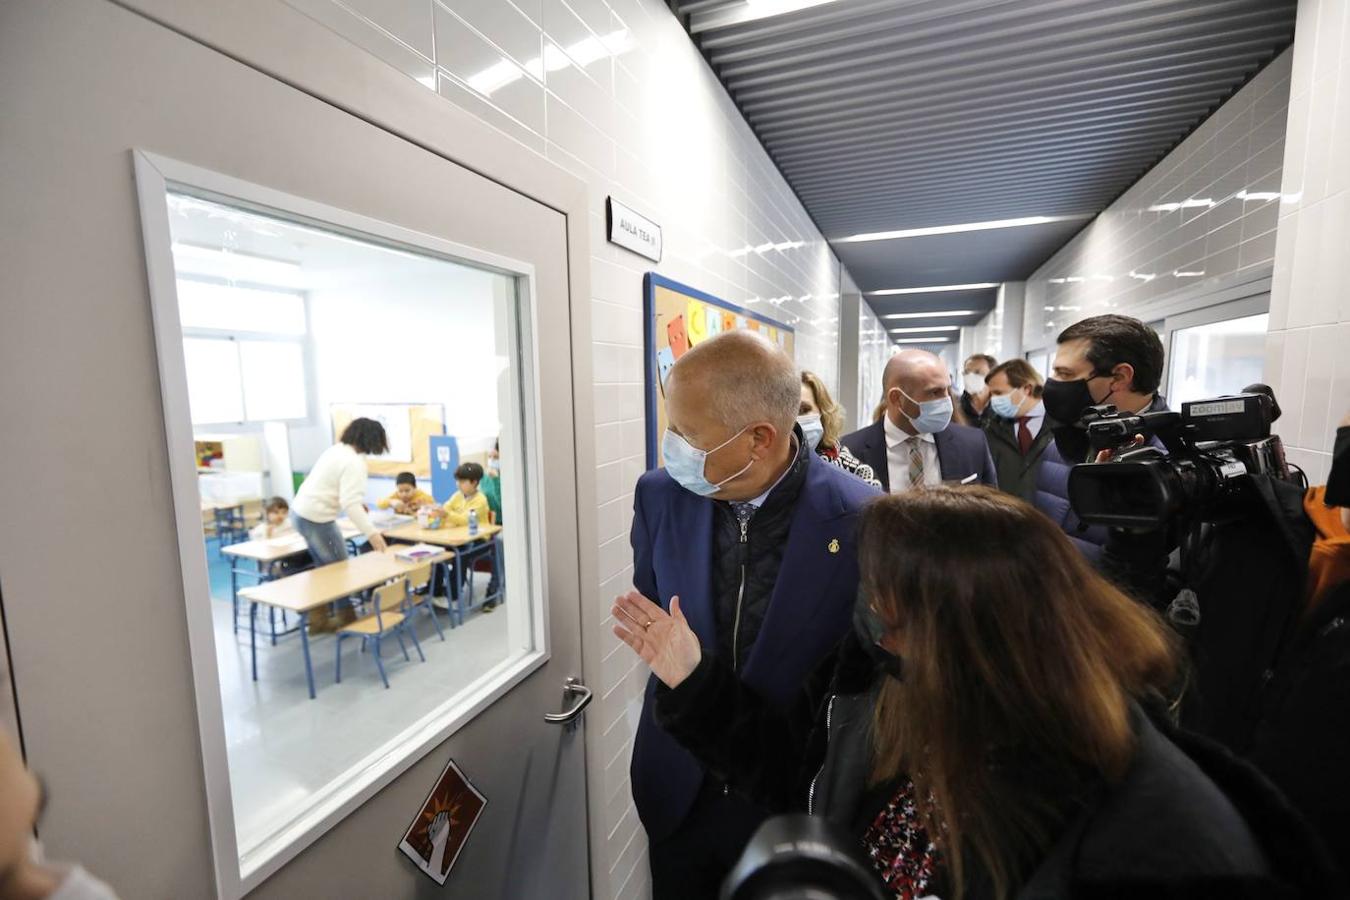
{"x": 799, "y": 857}
{"x": 1212, "y": 445}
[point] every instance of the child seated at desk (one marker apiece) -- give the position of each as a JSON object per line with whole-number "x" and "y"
{"x": 276, "y": 521}
{"x": 468, "y": 476}
{"x": 406, "y": 497}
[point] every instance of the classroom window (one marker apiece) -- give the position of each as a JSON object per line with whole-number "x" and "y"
{"x": 215, "y": 385}
{"x": 232, "y": 380}
{"x": 235, "y": 308}
{"x": 305, "y": 329}
{"x": 1217, "y": 358}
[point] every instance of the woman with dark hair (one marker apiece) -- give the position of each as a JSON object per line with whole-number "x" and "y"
{"x": 822, "y": 423}
{"x": 994, "y": 726}
{"x": 335, "y": 485}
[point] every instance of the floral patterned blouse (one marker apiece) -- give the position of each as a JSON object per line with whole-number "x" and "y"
{"x": 899, "y": 847}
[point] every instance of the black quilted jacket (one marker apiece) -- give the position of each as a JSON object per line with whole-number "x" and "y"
{"x": 746, "y": 563}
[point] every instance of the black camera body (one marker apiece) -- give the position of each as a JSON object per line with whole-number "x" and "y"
{"x": 1212, "y": 445}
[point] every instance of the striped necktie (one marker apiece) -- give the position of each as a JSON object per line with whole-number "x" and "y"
{"x": 915, "y": 462}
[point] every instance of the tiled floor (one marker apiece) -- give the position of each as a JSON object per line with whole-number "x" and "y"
{"x": 283, "y": 746}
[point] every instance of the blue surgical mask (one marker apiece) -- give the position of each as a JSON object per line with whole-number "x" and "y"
{"x": 812, "y": 429}
{"x": 1004, "y": 406}
{"x": 934, "y": 415}
{"x": 685, "y": 463}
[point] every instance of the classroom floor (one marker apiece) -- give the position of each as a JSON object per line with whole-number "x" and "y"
{"x": 282, "y": 746}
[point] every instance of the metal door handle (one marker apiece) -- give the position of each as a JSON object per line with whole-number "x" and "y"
{"x": 573, "y": 688}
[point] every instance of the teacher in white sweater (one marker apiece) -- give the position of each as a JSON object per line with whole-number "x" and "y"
{"x": 335, "y": 485}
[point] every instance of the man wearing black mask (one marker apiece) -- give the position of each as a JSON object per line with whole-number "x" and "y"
{"x": 1105, "y": 359}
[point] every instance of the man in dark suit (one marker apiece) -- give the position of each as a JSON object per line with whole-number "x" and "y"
{"x": 754, "y": 534}
{"x": 914, "y": 444}
{"x": 1017, "y": 428}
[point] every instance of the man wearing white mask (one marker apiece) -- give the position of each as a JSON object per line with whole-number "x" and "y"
{"x": 975, "y": 396}
{"x": 750, "y": 536}
{"x": 915, "y": 443}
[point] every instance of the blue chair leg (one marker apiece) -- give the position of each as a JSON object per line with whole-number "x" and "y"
{"x": 338, "y": 667}
{"x": 379, "y": 663}
{"x": 431, "y": 611}
{"x": 416, "y": 643}
{"x": 398, "y": 633}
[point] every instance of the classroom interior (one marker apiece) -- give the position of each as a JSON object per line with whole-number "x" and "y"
{"x": 289, "y": 331}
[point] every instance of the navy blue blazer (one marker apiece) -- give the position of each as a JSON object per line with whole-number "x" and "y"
{"x": 810, "y": 609}
{"x": 962, "y": 451}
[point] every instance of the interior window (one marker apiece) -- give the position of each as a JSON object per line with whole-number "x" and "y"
{"x": 291, "y": 333}
{"x": 1218, "y": 358}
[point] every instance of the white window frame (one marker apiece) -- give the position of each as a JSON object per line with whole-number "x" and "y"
{"x": 235, "y": 875}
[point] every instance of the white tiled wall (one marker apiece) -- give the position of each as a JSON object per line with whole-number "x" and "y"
{"x": 874, "y": 349}
{"x": 1206, "y": 213}
{"x": 615, "y": 92}
{"x": 1308, "y": 348}
{"x": 999, "y": 333}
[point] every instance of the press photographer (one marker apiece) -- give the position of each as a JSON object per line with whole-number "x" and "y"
{"x": 1260, "y": 580}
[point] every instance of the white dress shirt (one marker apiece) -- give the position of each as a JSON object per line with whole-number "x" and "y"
{"x": 1035, "y": 419}
{"x": 897, "y": 457}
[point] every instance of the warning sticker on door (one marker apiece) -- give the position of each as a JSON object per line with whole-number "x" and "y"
{"x": 439, "y": 831}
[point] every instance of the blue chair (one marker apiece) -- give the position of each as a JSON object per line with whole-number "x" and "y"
{"x": 418, "y": 579}
{"x": 230, "y": 526}
{"x": 390, "y": 605}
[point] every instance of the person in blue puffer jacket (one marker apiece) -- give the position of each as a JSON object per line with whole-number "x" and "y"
{"x": 1103, "y": 359}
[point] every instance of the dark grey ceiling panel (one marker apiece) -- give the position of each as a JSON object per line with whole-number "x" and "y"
{"x": 901, "y": 114}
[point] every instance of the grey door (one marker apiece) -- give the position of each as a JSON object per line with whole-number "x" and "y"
{"x": 94, "y": 603}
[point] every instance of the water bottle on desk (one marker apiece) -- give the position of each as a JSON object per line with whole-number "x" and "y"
{"x": 473, "y": 523}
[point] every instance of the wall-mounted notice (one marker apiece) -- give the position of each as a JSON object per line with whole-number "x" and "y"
{"x": 632, "y": 231}
{"x": 678, "y": 318}
{"x": 438, "y": 833}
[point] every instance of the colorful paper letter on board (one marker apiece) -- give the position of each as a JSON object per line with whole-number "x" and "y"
{"x": 679, "y": 339}
{"x": 665, "y": 361}
{"x": 714, "y": 319}
{"x": 730, "y": 320}
{"x": 696, "y": 321}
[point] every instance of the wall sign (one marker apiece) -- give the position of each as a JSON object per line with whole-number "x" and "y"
{"x": 632, "y": 231}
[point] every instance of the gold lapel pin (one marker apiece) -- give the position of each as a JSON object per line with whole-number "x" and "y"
{"x": 834, "y": 545}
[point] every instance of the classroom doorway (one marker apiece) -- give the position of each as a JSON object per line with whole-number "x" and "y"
{"x": 256, "y": 269}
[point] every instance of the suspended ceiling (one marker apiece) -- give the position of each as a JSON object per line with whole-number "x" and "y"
{"x": 889, "y": 115}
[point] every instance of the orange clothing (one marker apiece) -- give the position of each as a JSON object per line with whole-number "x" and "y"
{"x": 1329, "y": 562}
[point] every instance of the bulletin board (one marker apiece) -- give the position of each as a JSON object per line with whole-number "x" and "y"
{"x": 679, "y": 317}
{"x": 409, "y": 427}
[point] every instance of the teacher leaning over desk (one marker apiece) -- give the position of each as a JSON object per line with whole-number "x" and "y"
{"x": 335, "y": 485}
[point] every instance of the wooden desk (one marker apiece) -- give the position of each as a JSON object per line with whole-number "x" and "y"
{"x": 412, "y": 533}
{"x": 270, "y": 550}
{"x": 308, "y": 591}
{"x": 266, "y": 556}
{"x": 458, "y": 539}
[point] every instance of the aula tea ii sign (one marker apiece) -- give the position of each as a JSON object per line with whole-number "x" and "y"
{"x": 633, "y": 232}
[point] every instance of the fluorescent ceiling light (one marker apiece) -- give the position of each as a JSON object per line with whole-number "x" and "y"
{"x": 232, "y": 265}
{"x": 956, "y": 229}
{"x": 924, "y": 330}
{"x": 933, "y": 315}
{"x": 935, "y": 289}
{"x": 1258, "y": 195}
{"x": 931, "y": 340}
